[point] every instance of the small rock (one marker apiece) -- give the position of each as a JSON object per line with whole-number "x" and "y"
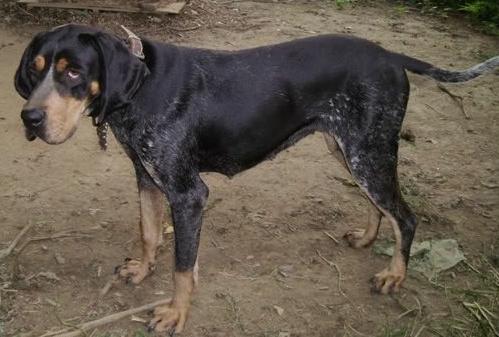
{"x": 48, "y": 275}
{"x": 408, "y": 135}
{"x": 59, "y": 259}
{"x": 169, "y": 230}
{"x": 285, "y": 270}
{"x": 138, "y": 319}
{"x": 279, "y": 310}
{"x": 93, "y": 211}
{"x": 284, "y": 334}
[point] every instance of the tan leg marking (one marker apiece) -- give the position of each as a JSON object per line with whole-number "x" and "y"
{"x": 61, "y": 65}
{"x": 357, "y": 238}
{"x": 195, "y": 274}
{"x": 174, "y": 315}
{"x": 94, "y": 88}
{"x": 152, "y": 205}
{"x": 361, "y": 238}
{"x": 39, "y": 63}
{"x": 333, "y": 147}
{"x": 390, "y": 279}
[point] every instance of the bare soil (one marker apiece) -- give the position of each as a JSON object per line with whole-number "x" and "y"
{"x": 264, "y": 228}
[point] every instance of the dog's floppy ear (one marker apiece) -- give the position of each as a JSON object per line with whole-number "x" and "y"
{"x": 120, "y": 74}
{"x": 22, "y": 80}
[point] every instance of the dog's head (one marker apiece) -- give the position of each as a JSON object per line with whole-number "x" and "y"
{"x": 72, "y": 71}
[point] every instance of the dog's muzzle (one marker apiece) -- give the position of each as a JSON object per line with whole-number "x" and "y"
{"x": 32, "y": 119}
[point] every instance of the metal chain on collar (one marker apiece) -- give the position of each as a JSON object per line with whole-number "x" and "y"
{"x": 102, "y": 131}
{"x": 135, "y": 45}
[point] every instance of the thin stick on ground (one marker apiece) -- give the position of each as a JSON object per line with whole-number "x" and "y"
{"x": 7, "y": 251}
{"x": 458, "y": 99}
{"x": 103, "y": 292}
{"x": 335, "y": 266}
{"x": 61, "y": 235}
{"x": 105, "y": 320}
{"x": 331, "y": 236}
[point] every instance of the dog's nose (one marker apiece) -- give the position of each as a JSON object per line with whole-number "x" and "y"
{"x": 32, "y": 117}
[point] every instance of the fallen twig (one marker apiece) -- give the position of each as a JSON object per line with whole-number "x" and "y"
{"x": 432, "y": 108}
{"x": 458, "y": 99}
{"x": 7, "y": 251}
{"x": 26, "y": 12}
{"x": 331, "y": 236}
{"x": 108, "y": 286}
{"x": 185, "y": 29}
{"x": 234, "y": 308}
{"x": 105, "y": 320}
{"x": 335, "y": 266}
{"x": 61, "y": 235}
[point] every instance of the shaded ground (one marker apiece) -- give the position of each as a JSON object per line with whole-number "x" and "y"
{"x": 263, "y": 228}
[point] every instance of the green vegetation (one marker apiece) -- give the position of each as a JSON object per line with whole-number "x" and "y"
{"x": 483, "y": 12}
{"x": 473, "y": 305}
{"x": 341, "y": 3}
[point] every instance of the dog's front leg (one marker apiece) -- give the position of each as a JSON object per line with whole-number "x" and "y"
{"x": 152, "y": 205}
{"x": 187, "y": 199}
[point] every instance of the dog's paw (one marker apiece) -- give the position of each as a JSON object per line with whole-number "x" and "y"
{"x": 387, "y": 281}
{"x": 134, "y": 270}
{"x": 170, "y": 318}
{"x": 356, "y": 238}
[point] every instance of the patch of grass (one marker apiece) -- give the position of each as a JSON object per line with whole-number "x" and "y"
{"x": 473, "y": 308}
{"x": 400, "y": 9}
{"x": 395, "y": 332}
{"x": 483, "y": 12}
{"x": 485, "y": 55}
{"x": 141, "y": 333}
{"x": 340, "y": 4}
{"x": 424, "y": 209}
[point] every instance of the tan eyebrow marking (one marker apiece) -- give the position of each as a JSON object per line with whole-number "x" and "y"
{"x": 39, "y": 63}
{"x": 61, "y": 65}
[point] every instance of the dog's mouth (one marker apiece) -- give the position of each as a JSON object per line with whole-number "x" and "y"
{"x": 52, "y": 138}
{"x": 30, "y": 134}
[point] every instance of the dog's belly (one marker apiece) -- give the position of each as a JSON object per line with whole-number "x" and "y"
{"x": 243, "y": 140}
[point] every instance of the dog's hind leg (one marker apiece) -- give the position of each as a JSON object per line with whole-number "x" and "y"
{"x": 371, "y": 156}
{"x": 357, "y": 238}
{"x": 367, "y": 133}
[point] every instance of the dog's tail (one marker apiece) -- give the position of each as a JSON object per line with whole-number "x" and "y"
{"x": 441, "y": 75}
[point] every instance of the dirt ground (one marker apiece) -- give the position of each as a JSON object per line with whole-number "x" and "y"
{"x": 263, "y": 229}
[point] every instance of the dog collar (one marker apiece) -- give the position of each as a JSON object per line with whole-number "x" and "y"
{"x": 134, "y": 43}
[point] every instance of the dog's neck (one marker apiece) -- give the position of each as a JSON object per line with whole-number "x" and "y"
{"x": 134, "y": 43}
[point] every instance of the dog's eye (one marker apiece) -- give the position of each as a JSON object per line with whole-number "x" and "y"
{"x": 73, "y": 74}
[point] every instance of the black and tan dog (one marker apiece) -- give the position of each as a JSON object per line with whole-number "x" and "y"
{"x": 181, "y": 111}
